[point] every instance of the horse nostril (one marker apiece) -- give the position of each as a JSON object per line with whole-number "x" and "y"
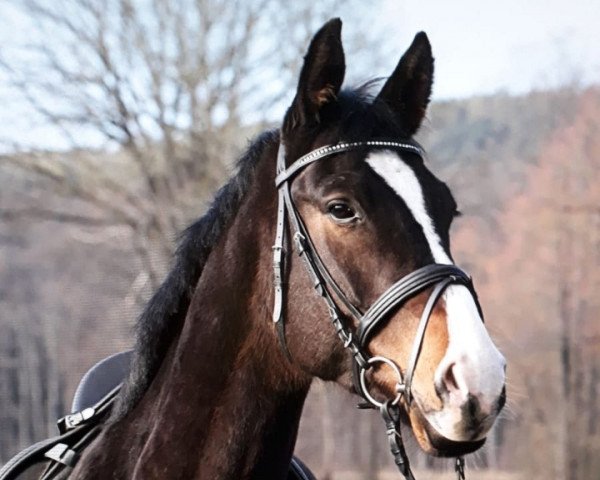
{"x": 473, "y": 406}
{"x": 501, "y": 399}
{"x": 449, "y": 379}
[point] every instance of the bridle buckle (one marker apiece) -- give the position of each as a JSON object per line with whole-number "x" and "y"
{"x": 300, "y": 242}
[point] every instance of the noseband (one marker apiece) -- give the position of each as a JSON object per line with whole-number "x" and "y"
{"x": 435, "y": 276}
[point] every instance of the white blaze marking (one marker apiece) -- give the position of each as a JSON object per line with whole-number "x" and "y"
{"x": 469, "y": 343}
{"x": 398, "y": 175}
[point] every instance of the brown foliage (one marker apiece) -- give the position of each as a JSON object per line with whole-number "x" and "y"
{"x": 540, "y": 291}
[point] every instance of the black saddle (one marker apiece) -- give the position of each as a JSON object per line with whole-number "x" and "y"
{"x": 103, "y": 377}
{"x": 92, "y": 402}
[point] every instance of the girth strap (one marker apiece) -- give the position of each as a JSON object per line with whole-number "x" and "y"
{"x": 61, "y": 453}
{"x": 63, "y": 449}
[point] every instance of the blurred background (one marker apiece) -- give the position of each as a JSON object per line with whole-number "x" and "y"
{"x": 120, "y": 118}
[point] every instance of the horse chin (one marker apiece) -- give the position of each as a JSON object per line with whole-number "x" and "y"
{"x": 434, "y": 443}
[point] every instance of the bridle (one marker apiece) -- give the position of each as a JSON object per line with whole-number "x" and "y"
{"x": 437, "y": 276}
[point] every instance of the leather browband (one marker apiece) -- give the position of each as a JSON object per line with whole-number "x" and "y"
{"x": 328, "y": 150}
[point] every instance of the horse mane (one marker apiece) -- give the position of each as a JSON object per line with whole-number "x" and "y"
{"x": 163, "y": 316}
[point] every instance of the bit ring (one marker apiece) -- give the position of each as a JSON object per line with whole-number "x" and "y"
{"x": 399, "y": 386}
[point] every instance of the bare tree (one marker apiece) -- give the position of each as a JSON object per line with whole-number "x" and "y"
{"x": 150, "y": 99}
{"x": 173, "y": 86}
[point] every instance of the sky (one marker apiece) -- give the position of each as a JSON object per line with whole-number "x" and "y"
{"x": 480, "y": 46}
{"x": 484, "y": 46}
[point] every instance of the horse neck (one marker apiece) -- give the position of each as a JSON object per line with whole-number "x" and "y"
{"x": 225, "y": 403}
{"x": 240, "y": 408}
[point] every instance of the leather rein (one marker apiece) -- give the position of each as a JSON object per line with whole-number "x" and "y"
{"x": 435, "y": 276}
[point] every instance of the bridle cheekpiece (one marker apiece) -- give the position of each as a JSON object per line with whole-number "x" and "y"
{"x": 435, "y": 276}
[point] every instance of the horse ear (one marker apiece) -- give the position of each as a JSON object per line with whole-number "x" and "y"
{"x": 408, "y": 89}
{"x": 321, "y": 76}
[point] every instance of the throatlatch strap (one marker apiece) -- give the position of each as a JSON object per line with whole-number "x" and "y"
{"x": 278, "y": 256}
{"x": 278, "y": 246}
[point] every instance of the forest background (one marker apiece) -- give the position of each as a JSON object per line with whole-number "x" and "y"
{"x": 121, "y": 118}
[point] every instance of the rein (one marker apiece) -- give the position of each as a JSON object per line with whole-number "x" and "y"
{"x": 438, "y": 276}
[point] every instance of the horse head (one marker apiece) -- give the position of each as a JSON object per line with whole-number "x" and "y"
{"x": 374, "y": 213}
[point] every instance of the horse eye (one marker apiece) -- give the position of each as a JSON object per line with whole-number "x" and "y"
{"x": 341, "y": 211}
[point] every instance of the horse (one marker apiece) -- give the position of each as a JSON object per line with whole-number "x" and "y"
{"x": 228, "y": 346}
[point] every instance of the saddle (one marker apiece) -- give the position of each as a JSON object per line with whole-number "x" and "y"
{"x": 92, "y": 403}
